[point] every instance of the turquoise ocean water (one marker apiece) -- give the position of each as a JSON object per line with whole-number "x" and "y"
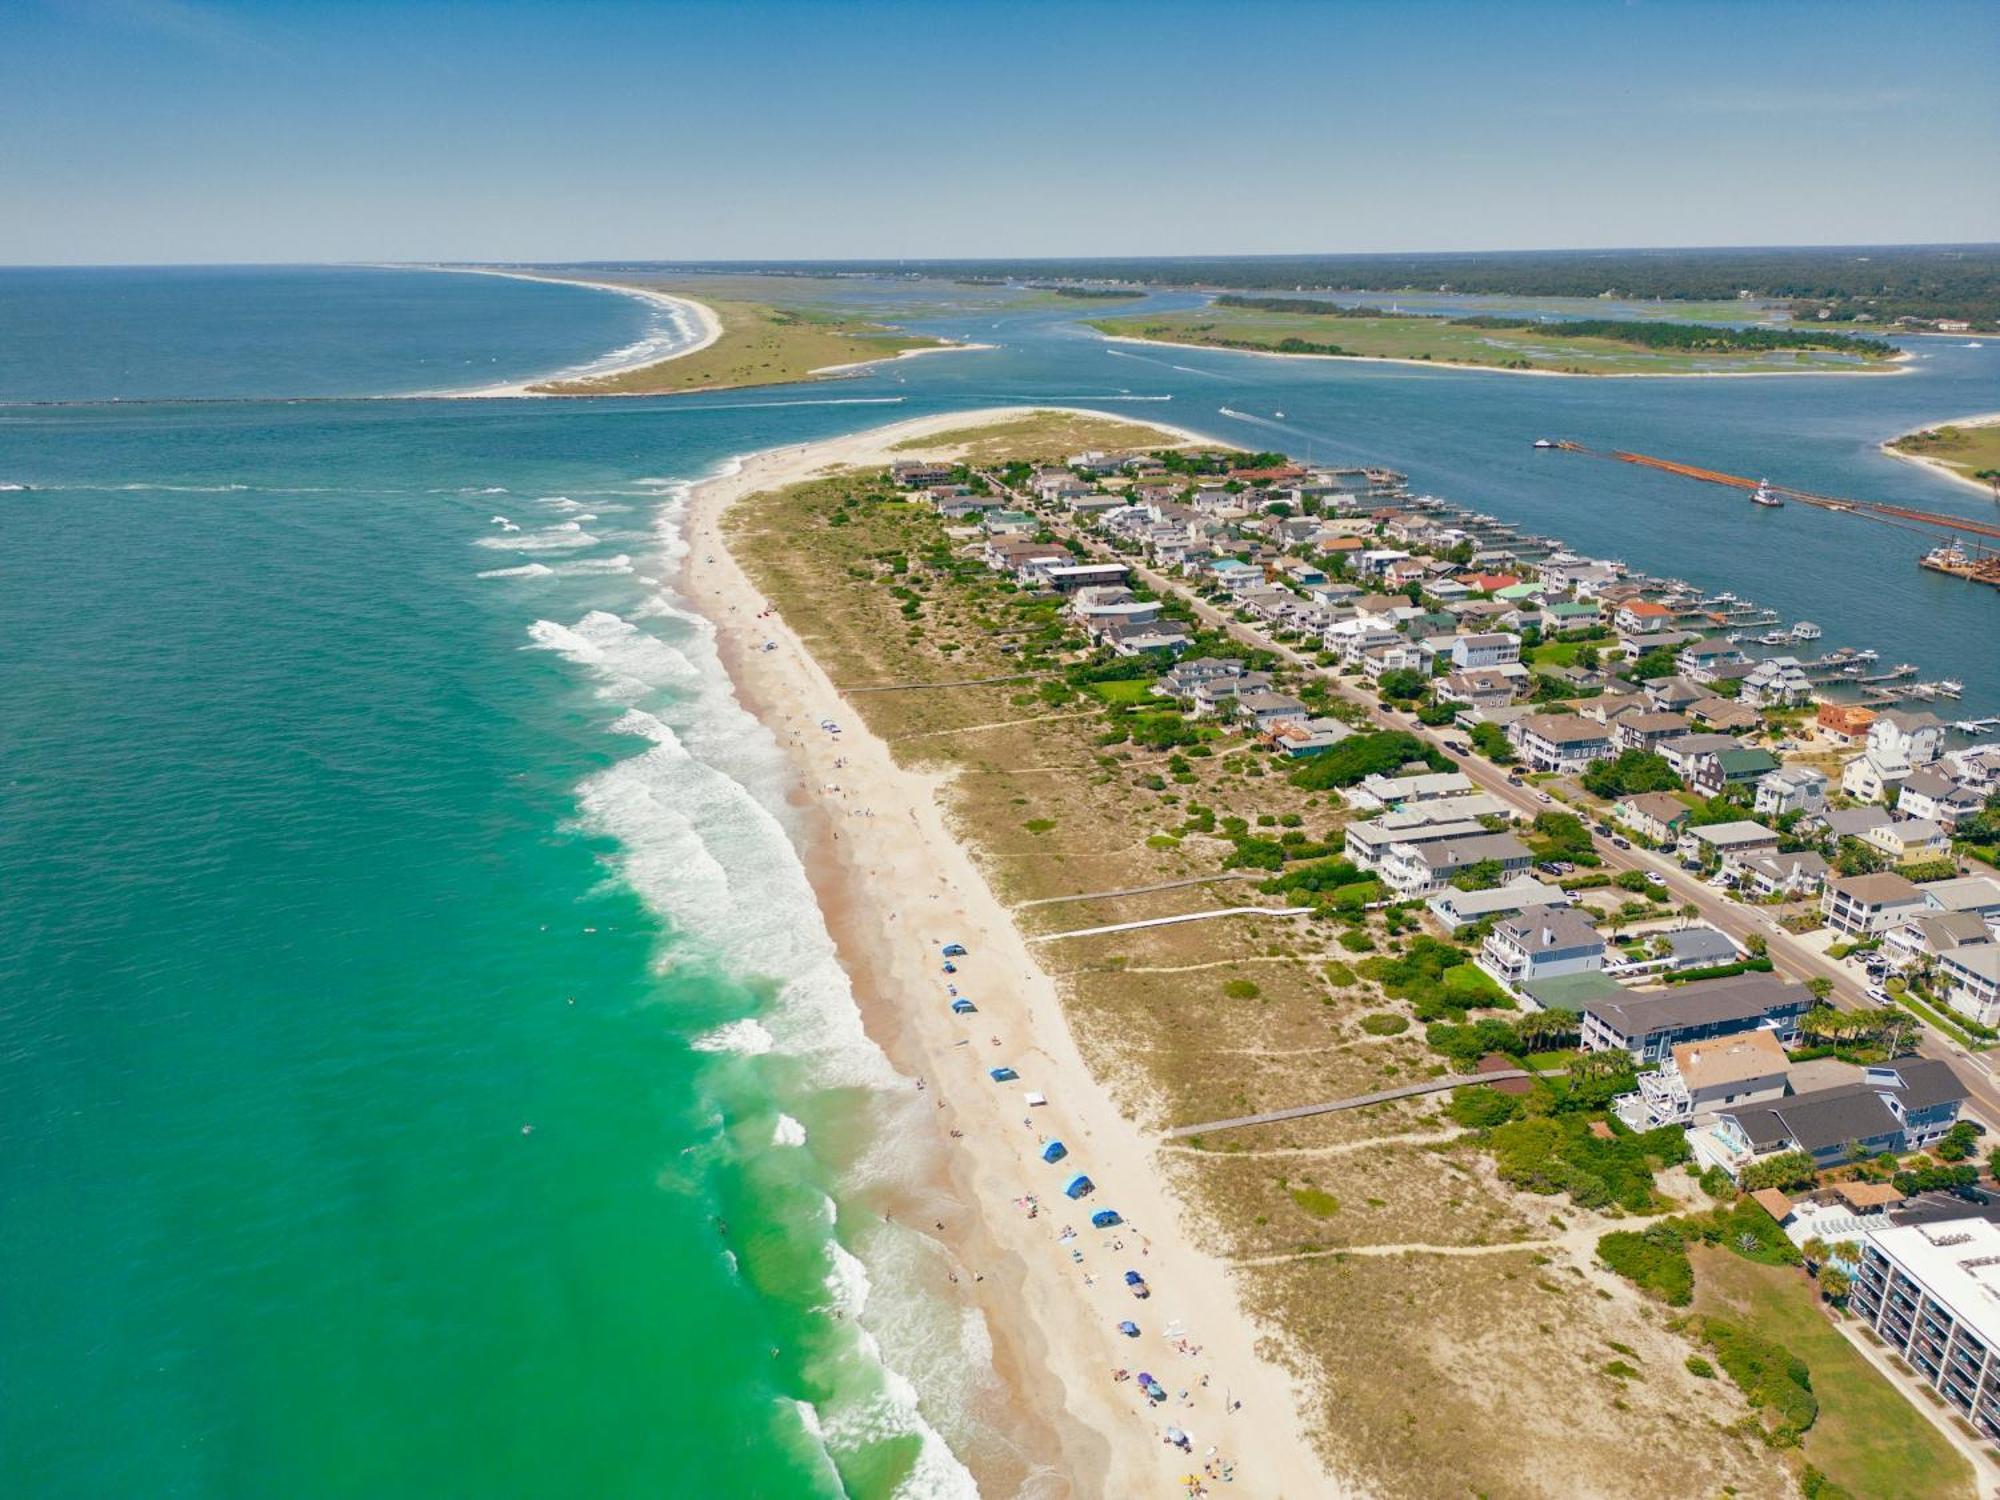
{"x": 405, "y": 971}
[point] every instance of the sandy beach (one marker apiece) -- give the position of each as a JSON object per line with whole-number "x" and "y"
{"x": 1939, "y": 466}
{"x": 700, "y": 313}
{"x": 1898, "y": 364}
{"x": 896, "y": 885}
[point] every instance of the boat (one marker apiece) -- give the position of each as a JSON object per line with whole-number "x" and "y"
{"x": 1805, "y": 630}
{"x": 1765, "y": 496}
{"x": 1951, "y": 687}
{"x": 1773, "y": 638}
{"x": 1545, "y": 442}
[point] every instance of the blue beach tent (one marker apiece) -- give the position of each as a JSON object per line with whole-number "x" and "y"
{"x": 1129, "y": 1329}
{"x": 962, "y": 1006}
{"x": 954, "y": 950}
{"x": 1105, "y": 1218}
{"x": 1002, "y": 1075}
{"x": 1054, "y": 1151}
{"x": 1079, "y": 1185}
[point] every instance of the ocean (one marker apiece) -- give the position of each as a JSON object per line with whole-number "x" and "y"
{"x": 425, "y": 1070}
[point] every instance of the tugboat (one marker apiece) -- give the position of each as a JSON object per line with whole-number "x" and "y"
{"x": 1545, "y": 442}
{"x": 1765, "y": 496}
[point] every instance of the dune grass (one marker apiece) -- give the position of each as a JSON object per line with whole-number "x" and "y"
{"x": 761, "y": 344}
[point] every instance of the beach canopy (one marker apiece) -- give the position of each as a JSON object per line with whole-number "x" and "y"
{"x": 1078, "y": 1185}
{"x": 1129, "y": 1329}
{"x": 954, "y": 950}
{"x": 1105, "y": 1218}
{"x": 1054, "y": 1151}
{"x": 1133, "y": 1278}
{"x": 962, "y": 1006}
{"x": 1035, "y": 1099}
{"x": 1003, "y": 1075}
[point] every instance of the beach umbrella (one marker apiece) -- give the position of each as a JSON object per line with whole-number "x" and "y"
{"x": 1054, "y": 1151}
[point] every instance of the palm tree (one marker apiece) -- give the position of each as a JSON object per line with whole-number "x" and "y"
{"x": 1834, "y": 1284}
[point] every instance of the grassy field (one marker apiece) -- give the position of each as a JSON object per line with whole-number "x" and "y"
{"x": 1966, "y": 450}
{"x": 1042, "y": 433}
{"x": 1442, "y": 342}
{"x": 1868, "y": 1437}
{"x": 761, "y": 344}
{"x": 1451, "y": 1336}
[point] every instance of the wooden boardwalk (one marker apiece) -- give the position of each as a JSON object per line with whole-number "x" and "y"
{"x": 1382, "y": 1096}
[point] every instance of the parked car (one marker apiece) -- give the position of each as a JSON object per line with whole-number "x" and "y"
{"x": 1620, "y": 843}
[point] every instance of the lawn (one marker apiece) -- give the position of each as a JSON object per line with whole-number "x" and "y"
{"x": 1868, "y": 1437}
{"x": 1136, "y": 690}
{"x": 1438, "y": 340}
{"x": 1554, "y": 653}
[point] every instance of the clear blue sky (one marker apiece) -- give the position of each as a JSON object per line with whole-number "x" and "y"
{"x": 244, "y": 130}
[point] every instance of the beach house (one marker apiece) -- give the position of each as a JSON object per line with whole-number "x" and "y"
{"x": 1791, "y": 789}
{"x": 1866, "y": 906}
{"x": 1567, "y": 743}
{"x": 1541, "y": 942}
{"x": 1657, "y": 817}
{"x": 1696, "y": 1079}
{"x": 1646, "y": 1026}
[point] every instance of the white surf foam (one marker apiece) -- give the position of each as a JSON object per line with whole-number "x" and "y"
{"x": 565, "y": 536}
{"x": 746, "y": 1038}
{"x": 629, "y": 662}
{"x": 526, "y": 570}
{"x": 788, "y": 1132}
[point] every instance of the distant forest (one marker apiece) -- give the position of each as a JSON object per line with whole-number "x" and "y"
{"x": 1688, "y": 337}
{"x": 1881, "y": 282}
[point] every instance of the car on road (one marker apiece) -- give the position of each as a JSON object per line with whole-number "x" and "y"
{"x": 1879, "y": 995}
{"x": 1620, "y": 843}
{"x": 1601, "y": 828}
{"x": 1654, "y": 877}
{"x": 1543, "y": 797}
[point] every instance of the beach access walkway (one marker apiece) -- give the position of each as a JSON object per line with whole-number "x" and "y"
{"x": 1358, "y": 1101}
{"x": 910, "y": 687}
{"x": 1143, "y": 890}
{"x": 1193, "y": 916}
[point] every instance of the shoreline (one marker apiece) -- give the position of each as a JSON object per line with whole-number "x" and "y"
{"x": 1053, "y": 1335}
{"x": 704, "y": 316}
{"x": 1937, "y": 465}
{"x": 1901, "y": 363}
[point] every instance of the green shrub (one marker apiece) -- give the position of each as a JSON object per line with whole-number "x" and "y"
{"x": 1385, "y": 1023}
{"x": 1320, "y": 1205}
{"x": 1241, "y": 989}
{"x": 1337, "y": 973}
{"x": 1700, "y": 1368}
{"x": 1655, "y": 1260}
{"x": 1771, "y": 1378}
{"x": 1482, "y": 1108}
